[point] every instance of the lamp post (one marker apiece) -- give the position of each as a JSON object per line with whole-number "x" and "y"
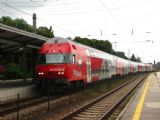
{"x": 115, "y": 45}
{"x": 149, "y": 41}
{"x": 115, "y": 42}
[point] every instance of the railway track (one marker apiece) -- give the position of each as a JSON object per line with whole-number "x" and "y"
{"x": 8, "y": 107}
{"x": 102, "y": 107}
{"x": 13, "y": 106}
{"x": 23, "y": 103}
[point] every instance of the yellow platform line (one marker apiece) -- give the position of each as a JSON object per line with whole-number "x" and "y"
{"x": 137, "y": 113}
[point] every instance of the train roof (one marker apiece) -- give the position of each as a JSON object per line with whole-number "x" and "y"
{"x": 63, "y": 40}
{"x": 57, "y": 40}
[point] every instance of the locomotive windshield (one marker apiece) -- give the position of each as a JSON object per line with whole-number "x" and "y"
{"x": 53, "y": 58}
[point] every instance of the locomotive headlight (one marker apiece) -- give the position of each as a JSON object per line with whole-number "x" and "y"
{"x": 59, "y": 73}
{"x": 40, "y": 73}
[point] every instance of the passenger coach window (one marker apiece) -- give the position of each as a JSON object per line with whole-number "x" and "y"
{"x": 73, "y": 59}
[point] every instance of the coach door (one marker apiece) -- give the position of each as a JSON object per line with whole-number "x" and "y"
{"x": 88, "y": 72}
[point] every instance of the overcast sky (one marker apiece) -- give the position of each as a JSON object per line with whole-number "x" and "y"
{"x": 133, "y": 24}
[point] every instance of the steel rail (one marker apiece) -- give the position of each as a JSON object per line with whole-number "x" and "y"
{"x": 93, "y": 102}
{"x": 110, "y": 111}
{"x": 11, "y": 107}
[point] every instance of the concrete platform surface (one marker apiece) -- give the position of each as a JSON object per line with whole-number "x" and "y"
{"x": 146, "y": 102}
{"x": 9, "y": 89}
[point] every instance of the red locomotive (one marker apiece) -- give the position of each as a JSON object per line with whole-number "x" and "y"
{"x": 64, "y": 62}
{"x": 2, "y": 68}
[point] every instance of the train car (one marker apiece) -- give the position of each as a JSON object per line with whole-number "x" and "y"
{"x": 64, "y": 62}
{"x": 148, "y": 67}
{"x": 141, "y": 67}
{"x": 2, "y": 68}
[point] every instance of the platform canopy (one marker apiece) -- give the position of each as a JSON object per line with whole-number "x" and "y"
{"x": 13, "y": 39}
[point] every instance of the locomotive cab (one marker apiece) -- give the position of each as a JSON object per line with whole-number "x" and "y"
{"x": 60, "y": 64}
{"x": 54, "y": 63}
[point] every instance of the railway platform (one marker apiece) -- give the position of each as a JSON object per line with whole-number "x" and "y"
{"x": 15, "y": 83}
{"x": 145, "y": 105}
{"x": 9, "y": 89}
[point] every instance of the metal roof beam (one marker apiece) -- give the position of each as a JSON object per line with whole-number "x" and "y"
{"x": 33, "y": 46}
{"x": 22, "y": 32}
{"x": 11, "y": 48}
{"x": 18, "y": 44}
{"x": 9, "y": 42}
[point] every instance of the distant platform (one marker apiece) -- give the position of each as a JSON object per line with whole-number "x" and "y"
{"x": 146, "y": 103}
{"x": 15, "y": 82}
{"x": 9, "y": 89}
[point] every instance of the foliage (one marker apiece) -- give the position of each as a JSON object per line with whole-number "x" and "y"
{"x": 98, "y": 44}
{"x": 7, "y": 21}
{"x": 44, "y": 31}
{"x": 133, "y": 58}
{"x": 120, "y": 54}
{"x": 139, "y": 59}
{"x": 69, "y": 38}
{"x": 12, "y": 71}
{"x": 23, "y": 25}
{"x": 157, "y": 67}
{"x": 102, "y": 45}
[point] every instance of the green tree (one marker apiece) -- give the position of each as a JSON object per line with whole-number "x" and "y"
{"x": 44, "y": 31}
{"x": 121, "y": 54}
{"x": 139, "y": 59}
{"x": 69, "y": 38}
{"x": 98, "y": 44}
{"x": 13, "y": 71}
{"x": 7, "y": 20}
{"x": 18, "y": 23}
{"x": 133, "y": 58}
{"x": 104, "y": 45}
{"x": 22, "y": 24}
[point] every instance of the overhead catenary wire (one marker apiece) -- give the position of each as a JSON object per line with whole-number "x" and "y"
{"x": 77, "y": 9}
{"x": 37, "y": 18}
{"x": 109, "y": 11}
{"x": 19, "y": 10}
{"x": 70, "y": 13}
{"x": 43, "y": 6}
{"x": 40, "y": 4}
{"x": 67, "y": 13}
{"x": 16, "y": 9}
{"x": 55, "y": 4}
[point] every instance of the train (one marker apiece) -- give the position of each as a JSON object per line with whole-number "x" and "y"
{"x": 2, "y": 70}
{"x": 65, "y": 62}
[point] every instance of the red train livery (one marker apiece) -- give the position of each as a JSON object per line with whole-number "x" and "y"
{"x": 2, "y": 68}
{"x": 64, "y": 62}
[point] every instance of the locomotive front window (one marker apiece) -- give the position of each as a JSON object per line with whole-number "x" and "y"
{"x": 53, "y": 58}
